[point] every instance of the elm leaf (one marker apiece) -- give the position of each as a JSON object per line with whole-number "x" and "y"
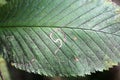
{"x": 60, "y": 37}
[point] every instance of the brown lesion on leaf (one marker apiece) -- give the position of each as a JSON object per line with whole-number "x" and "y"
{"x": 76, "y": 59}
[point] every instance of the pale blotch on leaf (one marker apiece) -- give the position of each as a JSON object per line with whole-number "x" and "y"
{"x": 109, "y": 62}
{"x": 108, "y": 2}
{"x": 3, "y": 2}
{"x": 117, "y": 18}
{"x": 117, "y": 11}
{"x": 74, "y": 38}
{"x": 23, "y": 64}
{"x": 11, "y": 38}
{"x": 113, "y": 3}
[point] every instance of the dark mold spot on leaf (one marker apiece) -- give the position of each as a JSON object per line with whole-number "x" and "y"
{"x": 116, "y": 2}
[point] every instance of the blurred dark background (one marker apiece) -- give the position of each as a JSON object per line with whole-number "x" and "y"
{"x": 111, "y": 74}
{"x": 17, "y": 74}
{"x": 116, "y": 1}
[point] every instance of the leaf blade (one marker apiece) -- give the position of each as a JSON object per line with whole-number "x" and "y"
{"x": 70, "y": 43}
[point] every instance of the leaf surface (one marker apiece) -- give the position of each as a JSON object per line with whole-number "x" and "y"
{"x": 60, "y": 37}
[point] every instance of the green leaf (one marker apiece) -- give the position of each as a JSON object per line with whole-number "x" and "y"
{"x": 2, "y": 2}
{"x": 60, "y": 37}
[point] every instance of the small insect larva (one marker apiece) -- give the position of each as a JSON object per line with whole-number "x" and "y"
{"x": 58, "y": 40}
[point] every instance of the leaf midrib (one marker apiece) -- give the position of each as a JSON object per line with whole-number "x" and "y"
{"x": 84, "y": 29}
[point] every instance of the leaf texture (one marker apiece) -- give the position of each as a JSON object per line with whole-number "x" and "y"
{"x": 60, "y": 37}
